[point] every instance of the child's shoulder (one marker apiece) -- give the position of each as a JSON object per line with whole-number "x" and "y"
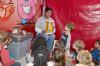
{"x": 50, "y": 63}
{"x": 80, "y": 65}
{"x": 96, "y": 50}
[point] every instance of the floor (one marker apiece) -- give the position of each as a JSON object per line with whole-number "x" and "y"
{"x": 22, "y": 61}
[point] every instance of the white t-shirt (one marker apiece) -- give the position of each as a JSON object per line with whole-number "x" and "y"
{"x": 40, "y": 24}
{"x": 0, "y": 64}
{"x": 50, "y": 63}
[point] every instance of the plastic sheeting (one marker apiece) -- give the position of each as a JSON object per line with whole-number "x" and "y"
{"x": 85, "y": 14}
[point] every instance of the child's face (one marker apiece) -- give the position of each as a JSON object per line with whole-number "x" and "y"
{"x": 75, "y": 48}
{"x": 67, "y": 29}
{"x": 97, "y": 45}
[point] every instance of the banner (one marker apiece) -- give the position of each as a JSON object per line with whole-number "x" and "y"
{"x": 9, "y": 13}
{"x": 85, "y": 14}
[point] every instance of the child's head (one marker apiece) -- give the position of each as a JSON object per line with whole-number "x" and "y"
{"x": 78, "y": 45}
{"x": 97, "y": 44}
{"x": 41, "y": 56}
{"x": 59, "y": 57}
{"x": 4, "y": 38}
{"x": 59, "y": 44}
{"x": 69, "y": 27}
{"x": 84, "y": 57}
{"x": 37, "y": 42}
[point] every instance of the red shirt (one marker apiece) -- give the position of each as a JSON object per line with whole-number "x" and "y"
{"x": 6, "y": 60}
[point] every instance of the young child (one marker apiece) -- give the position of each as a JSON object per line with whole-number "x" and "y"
{"x": 84, "y": 58}
{"x": 58, "y": 55}
{"x": 78, "y": 45}
{"x": 4, "y": 54}
{"x": 41, "y": 56}
{"x": 36, "y": 43}
{"x": 66, "y": 36}
{"x": 96, "y": 53}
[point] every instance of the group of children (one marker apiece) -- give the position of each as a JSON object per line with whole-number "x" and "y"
{"x": 40, "y": 56}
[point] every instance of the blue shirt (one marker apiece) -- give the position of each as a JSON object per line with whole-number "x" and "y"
{"x": 96, "y": 54}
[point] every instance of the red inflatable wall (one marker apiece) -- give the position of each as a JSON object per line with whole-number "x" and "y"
{"x": 85, "y": 14}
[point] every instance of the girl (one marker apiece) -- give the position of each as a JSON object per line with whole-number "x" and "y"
{"x": 4, "y": 54}
{"x": 58, "y": 55}
{"x": 38, "y": 55}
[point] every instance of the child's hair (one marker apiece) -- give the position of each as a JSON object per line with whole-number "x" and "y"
{"x": 59, "y": 44}
{"x": 98, "y": 41}
{"x": 4, "y": 37}
{"x": 84, "y": 57}
{"x": 37, "y": 42}
{"x": 59, "y": 57}
{"x": 79, "y": 44}
{"x": 58, "y": 54}
{"x": 71, "y": 26}
{"x": 41, "y": 56}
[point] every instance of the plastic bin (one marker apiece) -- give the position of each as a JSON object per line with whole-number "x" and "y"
{"x": 19, "y": 46}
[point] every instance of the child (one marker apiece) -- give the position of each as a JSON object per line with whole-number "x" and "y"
{"x": 36, "y": 43}
{"x": 58, "y": 55}
{"x": 96, "y": 53}
{"x": 66, "y": 36}
{"x": 84, "y": 58}
{"x": 78, "y": 45}
{"x": 4, "y": 54}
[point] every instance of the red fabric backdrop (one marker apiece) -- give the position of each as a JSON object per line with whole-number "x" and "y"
{"x": 85, "y": 14}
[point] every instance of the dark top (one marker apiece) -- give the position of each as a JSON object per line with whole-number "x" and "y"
{"x": 64, "y": 38}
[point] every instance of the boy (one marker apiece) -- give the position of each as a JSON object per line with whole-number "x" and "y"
{"x": 96, "y": 53}
{"x": 66, "y": 36}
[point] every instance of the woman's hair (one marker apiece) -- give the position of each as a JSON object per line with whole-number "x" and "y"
{"x": 84, "y": 57}
{"x": 37, "y": 42}
{"x": 79, "y": 44}
{"x": 4, "y": 37}
{"x": 48, "y": 9}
